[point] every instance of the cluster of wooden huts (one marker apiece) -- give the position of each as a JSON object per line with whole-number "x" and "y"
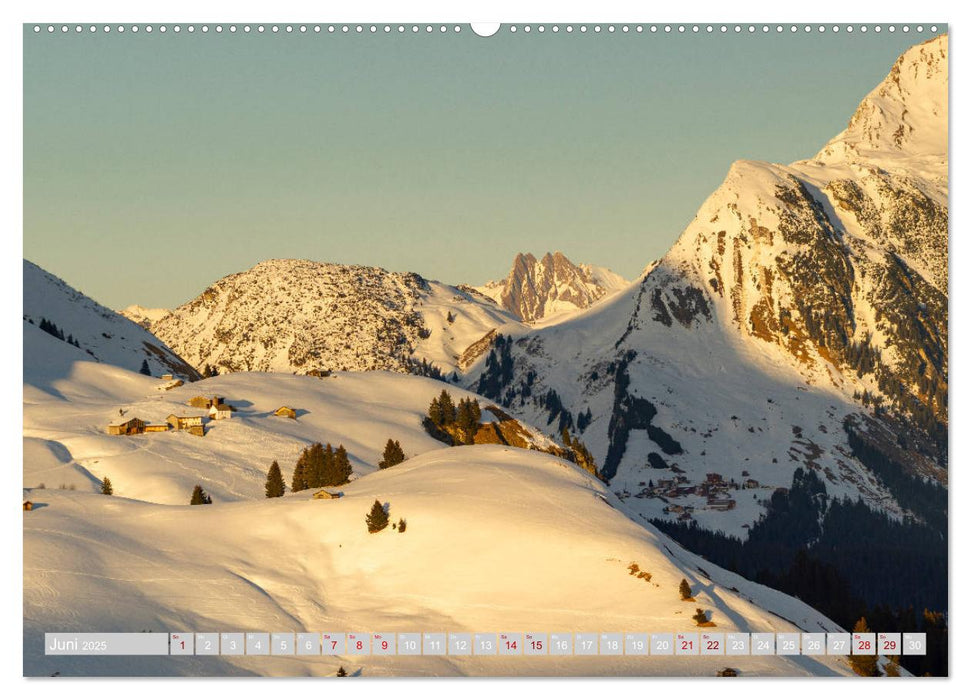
{"x": 216, "y": 409}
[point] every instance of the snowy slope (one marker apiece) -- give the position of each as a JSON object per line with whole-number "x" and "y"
{"x": 101, "y": 334}
{"x": 794, "y": 293}
{"x": 65, "y": 420}
{"x": 303, "y": 316}
{"x": 551, "y": 287}
{"x": 497, "y": 539}
{"x": 143, "y": 316}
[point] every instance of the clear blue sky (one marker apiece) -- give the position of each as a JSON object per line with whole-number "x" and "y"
{"x": 155, "y": 164}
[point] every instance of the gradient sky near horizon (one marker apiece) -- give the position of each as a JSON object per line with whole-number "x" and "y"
{"x": 155, "y": 164}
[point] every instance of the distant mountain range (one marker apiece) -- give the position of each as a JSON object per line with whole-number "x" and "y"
{"x": 804, "y": 302}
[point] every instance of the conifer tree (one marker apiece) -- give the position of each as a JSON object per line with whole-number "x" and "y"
{"x": 435, "y": 412}
{"x": 685, "y": 590}
{"x": 144, "y": 368}
{"x": 863, "y": 665}
{"x": 274, "y": 481}
{"x": 402, "y": 525}
{"x": 377, "y": 519}
{"x": 700, "y": 616}
{"x": 892, "y": 669}
{"x": 328, "y": 472}
{"x": 316, "y": 465}
{"x": 106, "y": 487}
{"x": 467, "y": 420}
{"x": 342, "y": 467}
{"x": 448, "y": 407}
{"x": 341, "y": 673}
{"x": 393, "y": 454}
{"x": 199, "y": 497}
{"x": 299, "y": 480}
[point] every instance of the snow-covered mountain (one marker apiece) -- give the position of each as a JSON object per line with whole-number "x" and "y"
{"x": 143, "y": 316}
{"x": 497, "y": 538}
{"x": 551, "y": 286}
{"x": 304, "y": 317}
{"x": 88, "y": 330}
{"x": 799, "y": 296}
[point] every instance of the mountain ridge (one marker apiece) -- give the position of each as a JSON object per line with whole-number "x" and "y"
{"x": 798, "y": 296}
{"x": 552, "y": 286}
{"x": 304, "y": 316}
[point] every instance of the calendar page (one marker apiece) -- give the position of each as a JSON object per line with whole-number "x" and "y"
{"x": 501, "y": 350}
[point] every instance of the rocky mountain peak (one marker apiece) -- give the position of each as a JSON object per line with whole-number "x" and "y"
{"x": 905, "y": 115}
{"x": 553, "y": 285}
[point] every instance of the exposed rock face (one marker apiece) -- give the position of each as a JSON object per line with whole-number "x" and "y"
{"x": 537, "y": 289}
{"x": 305, "y": 317}
{"x": 798, "y": 295}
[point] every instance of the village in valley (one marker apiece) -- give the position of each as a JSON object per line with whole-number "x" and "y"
{"x": 683, "y": 498}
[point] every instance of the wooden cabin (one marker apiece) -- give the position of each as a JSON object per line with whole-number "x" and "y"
{"x": 161, "y": 428}
{"x": 184, "y": 422}
{"x": 28, "y": 505}
{"x": 285, "y": 412}
{"x": 220, "y": 411}
{"x": 167, "y": 377}
{"x": 132, "y": 426}
{"x": 324, "y": 494}
{"x": 205, "y": 401}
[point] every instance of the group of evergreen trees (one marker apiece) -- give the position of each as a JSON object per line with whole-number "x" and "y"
{"x": 210, "y": 371}
{"x": 200, "y": 497}
{"x": 393, "y": 454}
{"x": 460, "y": 420}
{"x": 318, "y": 466}
{"x": 50, "y": 327}
{"x": 843, "y": 559}
{"x": 498, "y": 371}
{"x": 378, "y": 518}
{"x": 424, "y": 368}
